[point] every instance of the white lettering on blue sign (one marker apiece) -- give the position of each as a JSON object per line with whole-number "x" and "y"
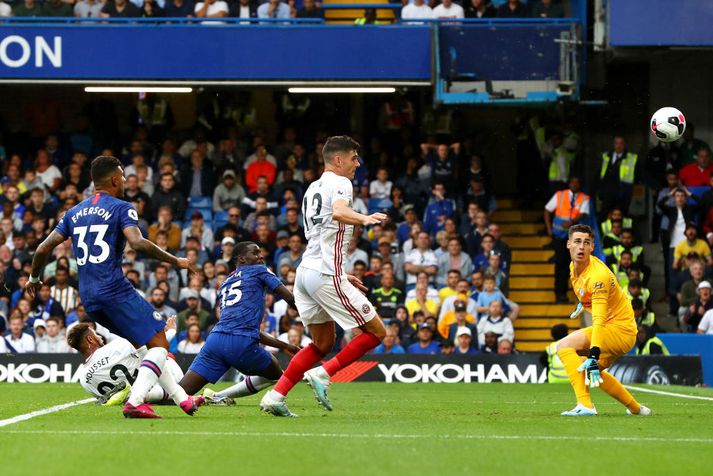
{"x": 16, "y": 51}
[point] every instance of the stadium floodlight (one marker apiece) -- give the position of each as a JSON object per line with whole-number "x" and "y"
{"x": 341, "y": 90}
{"x": 137, "y": 89}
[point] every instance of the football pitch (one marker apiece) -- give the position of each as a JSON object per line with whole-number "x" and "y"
{"x": 376, "y": 428}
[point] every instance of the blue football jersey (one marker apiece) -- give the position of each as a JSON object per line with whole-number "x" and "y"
{"x": 96, "y": 226}
{"x": 242, "y": 300}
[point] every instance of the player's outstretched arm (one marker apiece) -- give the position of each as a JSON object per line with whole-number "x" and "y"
{"x": 343, "y": 213}
{"x": 267, "y": 339}
{"x": 142, "y": 245}
{"x": 38, "y": 261}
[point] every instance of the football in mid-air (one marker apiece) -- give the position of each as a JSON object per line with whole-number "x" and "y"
{"x": 668, "y": 124}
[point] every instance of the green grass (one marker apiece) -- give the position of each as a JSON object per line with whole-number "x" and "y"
{"x": 390, "y": 429}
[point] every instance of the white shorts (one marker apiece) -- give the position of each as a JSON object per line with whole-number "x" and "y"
{"x": 323, "y": 298}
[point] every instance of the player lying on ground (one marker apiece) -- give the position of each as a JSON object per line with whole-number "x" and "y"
{"x": 324, "y": 293}
{"x": 99, "y": 228}
{"x": 236, "y": 338}
{"x": 613, "y": 330}
{"x": 111, "y": 368}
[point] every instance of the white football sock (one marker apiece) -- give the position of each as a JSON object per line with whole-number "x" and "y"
{"x": 170, "y": 384}
{"x": 156, "y": 394}
{"x": 250, "y": 386}
{"x": 149, "y": 374}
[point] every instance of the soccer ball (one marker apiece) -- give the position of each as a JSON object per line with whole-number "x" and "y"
{"x": 668, "y": 124}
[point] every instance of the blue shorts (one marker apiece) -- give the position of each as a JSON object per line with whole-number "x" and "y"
{"x": 222, "y": 351}
{"x": 132, "y": 318}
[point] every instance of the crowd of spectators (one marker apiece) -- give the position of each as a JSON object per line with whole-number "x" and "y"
{"x": 437, "y": 267}
{"x": 412, "y": 9}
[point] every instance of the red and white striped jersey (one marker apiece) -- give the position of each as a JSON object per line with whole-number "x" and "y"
{"x": 327, "y": 239}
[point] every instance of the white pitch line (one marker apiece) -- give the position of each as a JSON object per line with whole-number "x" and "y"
{"x": 56, "y": 408}
{"x": 669, "y": 394}
{"x": 364, "y": 436}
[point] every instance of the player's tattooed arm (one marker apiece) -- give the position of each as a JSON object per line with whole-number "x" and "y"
{"x": 142, "y": 245}
{"x": 44, "y": 250}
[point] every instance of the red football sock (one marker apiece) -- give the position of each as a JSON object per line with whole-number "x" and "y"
{"x": 356, "y": 347}
{"x": 300, "y": 363}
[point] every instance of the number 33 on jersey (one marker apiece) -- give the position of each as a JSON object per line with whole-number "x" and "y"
{"x": 96, "y": 227}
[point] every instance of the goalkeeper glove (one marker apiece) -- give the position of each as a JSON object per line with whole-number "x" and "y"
{"x": 590, "y": 367}
{"x": 575, "y": 314}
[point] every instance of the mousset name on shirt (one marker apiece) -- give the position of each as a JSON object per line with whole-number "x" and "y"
{"x": 102, "y": 212}
{"x": 94, "y": 367}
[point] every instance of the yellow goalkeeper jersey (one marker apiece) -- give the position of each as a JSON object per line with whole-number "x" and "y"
{"x": 598, "y": 290}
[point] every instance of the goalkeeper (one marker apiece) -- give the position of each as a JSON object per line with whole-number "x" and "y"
{"x": 613, "y": 330}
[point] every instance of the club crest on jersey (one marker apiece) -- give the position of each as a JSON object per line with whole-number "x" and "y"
{"x": 581, "y": 291}
{"x": 157, "y": 316}
{"x": 365, "y": 309}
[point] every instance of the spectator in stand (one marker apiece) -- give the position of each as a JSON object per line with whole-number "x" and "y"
{"x": 459, "y": 315}
{"x": 489, "y": 294}
{"x": 691, "y": 245}
{"x": 438, "y": 209}
{"x": 448, "y": 10}
{"x": 16, "y": 341}
{"x": 193, "y": 342}
{"x": 390, "y": 343}
{"x": 193, "y": 306}
{"x": 454, "y": 259}
{"x": 699, "y": 173}
{"x": 462, "y": 288}
{"x": 150, "y": 9}
{"x": 211, "y": 9}
{"x": 690, "y": 145}
{"x": 260, "y": 168}
{"x": 448, "y": 288}
{"x": 158, "y": 300}
{"x": 421, "y": 302}
{"x": 404, "y": 229}
{"x": 56, "y": 8}
{"x": 310, "y": 9}
{"x": 425, "y": 343}
{"x": 28, "y": 8}
{"x": 420, "y": 259}
{"x": 695, "y": 312}
{"x": 229, "y": 193}
{"x": 480, "y": 9}
{"x": 442, "y": 158}
{"x": 495, "y": 269}
{"x": 291, "y": 258}
{"x": 120, "y": 9}
{"x": 494, "y": 321}
{"x": 168, "y": 195}
{"x": 5, "y": 11}
{"x": 54, "y": 341}
{"x": 179, "y": 9}
{"x": 198, "y": 230}
{"x": 418, "y": 10}
{"x": 490, "y": 343}
{"x": 47, "y": 172}
{"x": 381, "y": 187}
{"x": 197, "y": 177}
{"x": 505, "y": 347}
{"x": 500, "y": 246}
{"x": 617, "y": 176}
{"x": 547, "y": 9}
{"x": 464, "y": 342}
{"x": 689, "y": 289}
{"x": 165, "y": 224}
{"x": 233, "y": 226}
{"x": 512, "y": 9}
{"x": 67, "y": 296}
{"x": 477, "y": 193}
{"x": 273, "y": 9}
{"x": 387, "y": 298}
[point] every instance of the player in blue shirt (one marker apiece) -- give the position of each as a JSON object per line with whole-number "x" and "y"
{"x": 99, "y": 228}
{"x": 236, "y": 338}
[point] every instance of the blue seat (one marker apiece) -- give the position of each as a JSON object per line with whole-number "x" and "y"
{"x": 219, "y": 219}
{"x": 203, "y": 202}
{"x": 378, "y": 205}
{"x": 699, "y": 191}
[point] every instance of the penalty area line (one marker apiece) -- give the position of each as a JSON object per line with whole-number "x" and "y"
{"x": 668, "y": 394}
{"x": 364, "y": 436}
{"x": 45, "y": 411}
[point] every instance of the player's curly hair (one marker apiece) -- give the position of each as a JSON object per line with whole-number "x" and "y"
{"x": 338, "y": 144}
{"x": 76, "y": 335}
{"x": 103, "y": 167}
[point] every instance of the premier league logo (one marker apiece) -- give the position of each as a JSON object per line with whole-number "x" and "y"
{"x": 157, "y": 316}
